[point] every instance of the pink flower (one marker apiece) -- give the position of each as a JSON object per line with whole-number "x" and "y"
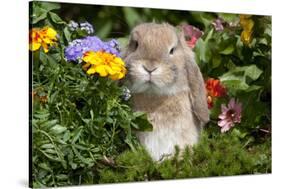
{"x": 192, "y": 42}
{"x": 230, "y": 115}
{"x": 192, "y": 33}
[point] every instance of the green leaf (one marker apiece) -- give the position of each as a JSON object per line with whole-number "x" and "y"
{"x": 53, "y": 97}
{"x": 200, "y": 48}
{"x": 239, "y": 133}
{"x": 50, "y": 123}
{"x": 56, "y": 19}
{"x": 228, "y": 50}
{"x": 56, "y": 57}
{"x": 95, "y": 150}
{"x": 58, "y": 129}
{"x": 253, "y": 72}
{"x": 47, "y": 58}
{"x": 253, "y": 88}
{"x": 40, "y": 10}
{"x": 67, "y": 34}
{"x": 44, "y": 166}
{"x": 47, "y": 146}
{"x": 80, "y": 147}
{"x": 43, "y": 57}
{"x": 216, "y": 61}
{"x": 82, "y": 33}
{"x": 50, "y": 151}
{"x": 76, "y": 152}
{"x": 138, "y": 114}
{"x": 268, "y": 31}
{"x": 209, "y": 36}
{"x": 38, "y": 15}
{"x": 203, "y": 47}
{"x": 263, "y": 41}
{"x": 92, "y": 114}
{"x": 66, "y": 136}
{"x": 130, "y": 144}
{"x": 73, "y": 165}
{"x": 76, "y": 134}
{"x": 51, "y": 157}
{"x": 41, "y": 115}
{"x": 62, "y": 177}
{"x": 237, "y": 84}
{"x": 142, "y": 122}
{"x": 234, "y": 82}
{"x": 236, "y": 79}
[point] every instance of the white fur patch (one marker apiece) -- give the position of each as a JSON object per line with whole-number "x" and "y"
{"x": 161, "y": 142}
{"x": 170, "y": 130}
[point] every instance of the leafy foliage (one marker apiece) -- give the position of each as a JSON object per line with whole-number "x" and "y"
{"x": 83, "y": 131}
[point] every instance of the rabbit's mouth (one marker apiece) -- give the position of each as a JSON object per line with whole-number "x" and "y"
{"x": 150, "y": 79}
{"x": 151, "y": 86}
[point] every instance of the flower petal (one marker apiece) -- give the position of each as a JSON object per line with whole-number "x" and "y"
{"x": 222, "y": 123}
{"x": 34, "y": 46}
{"x": 222, "y": 116}
{"x": 224, "y": 108}
{"x": 101, "y": 70}
{"x": 92, "y": 70}
{"x": 231, "y": 104}
{"x": 45, "y": 47}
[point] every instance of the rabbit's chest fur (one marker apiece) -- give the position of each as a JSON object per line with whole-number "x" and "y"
{"x": 172, "y": 120}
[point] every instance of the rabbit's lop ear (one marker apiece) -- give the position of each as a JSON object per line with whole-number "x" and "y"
{"x": 196, "y": 84}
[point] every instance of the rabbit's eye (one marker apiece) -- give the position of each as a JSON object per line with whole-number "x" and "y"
{"x": 134, "y": 45}
{"x": 172, "y": 51}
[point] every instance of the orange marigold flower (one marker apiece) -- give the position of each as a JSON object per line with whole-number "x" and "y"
{"x": 215, "y": 88}
{"x": 44, "y": 37}
{"x": 105, "y": 64}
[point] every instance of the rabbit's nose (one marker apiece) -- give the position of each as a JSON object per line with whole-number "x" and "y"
{"x": 149, "y": 70}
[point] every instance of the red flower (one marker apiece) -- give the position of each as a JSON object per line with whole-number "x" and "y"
{"x": 215, "y": 88}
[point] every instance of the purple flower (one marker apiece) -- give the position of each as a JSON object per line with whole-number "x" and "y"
{"x": 78, "y": 47}
{"x": 87, "y": 27}
{"x": 230, "y": 115}
{"x": 218, "y": 24}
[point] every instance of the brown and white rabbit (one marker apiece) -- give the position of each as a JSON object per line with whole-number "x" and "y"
{"x": 167, "y": 84}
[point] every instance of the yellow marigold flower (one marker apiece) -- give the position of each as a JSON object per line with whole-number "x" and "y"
{"x": 105, "y": 64}
{"x": 247, "y": 24}
{"x": 44, "y": 37}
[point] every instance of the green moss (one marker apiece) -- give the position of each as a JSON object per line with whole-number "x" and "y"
{"x": 223, "y": 155}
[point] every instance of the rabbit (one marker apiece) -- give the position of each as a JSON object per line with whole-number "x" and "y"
{"x": 167, "y": 84}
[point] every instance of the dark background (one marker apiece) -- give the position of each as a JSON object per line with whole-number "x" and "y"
{"x": 114, "y": 21}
